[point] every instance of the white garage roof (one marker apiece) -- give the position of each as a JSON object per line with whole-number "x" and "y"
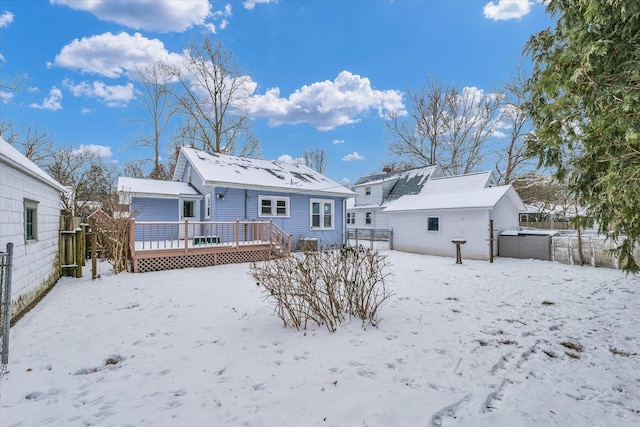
{"x": 482, "y": 198}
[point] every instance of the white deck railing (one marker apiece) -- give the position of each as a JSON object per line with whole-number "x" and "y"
{"x": 189, "y": 235}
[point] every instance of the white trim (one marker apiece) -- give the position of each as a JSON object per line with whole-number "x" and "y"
{"x": 321, "y": 205}
{"x": 439, "y": 224}
{"x": 274, "y": 206}
{"x": 29, "y": 204}
{"x": 208, "y": 207}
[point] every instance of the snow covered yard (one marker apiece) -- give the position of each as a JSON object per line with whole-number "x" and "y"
{"x": 517, "y": 342}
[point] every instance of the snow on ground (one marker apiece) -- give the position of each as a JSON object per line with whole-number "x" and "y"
{"x": 516, "y": 342}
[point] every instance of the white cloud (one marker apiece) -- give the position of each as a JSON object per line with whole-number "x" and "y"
{"x": 85, "y": 110}
{"x": 352, "y": 156}
{"x": 5, "y": 96}
{"x": 285, "y": 158}
{"x": 112, "y": 55}
{"x": 114, "y": 96}
{"x": 53, "y": 102}
{"x": 220, "y": 18}
{"x": 338, "y": 141}
{"x": 158, "y": 15}
{"x": 250, "y": 4}
{"x": 507, "y": 9}
{"x": 345, "y": 181}
{"x": 326, "y": 105}
{"x": 98, "y": 150}
{"x": 6, "y": 18}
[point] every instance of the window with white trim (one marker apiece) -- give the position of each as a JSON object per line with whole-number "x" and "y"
{"x": 30, "y": 220}
{"x": 188, "y": 209}
{"x": 273, "y": 206}
{"x": 351, "y": 217}
{"x": 367, "y": 218}
{"x": 367, "y": 191}
{"x": 207, "y": 206}
{"x": 433, "y": 224}
{"x": 322, "y": 214}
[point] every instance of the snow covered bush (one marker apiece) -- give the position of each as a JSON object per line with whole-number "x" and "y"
{"x": 325, "y": 287}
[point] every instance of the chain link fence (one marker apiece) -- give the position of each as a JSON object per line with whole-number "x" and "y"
{"x": 5, "y": 303}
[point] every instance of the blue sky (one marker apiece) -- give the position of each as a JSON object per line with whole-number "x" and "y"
{"x": 350, "y": 61}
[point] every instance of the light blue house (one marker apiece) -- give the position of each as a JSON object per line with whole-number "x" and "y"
{"x": 218, "y": 187}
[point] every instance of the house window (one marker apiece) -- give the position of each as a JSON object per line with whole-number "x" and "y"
{"x": 433, "y": 223}
{"x": 367, "y": 191}
{"x": 189, "y": 209}
{"x": 322, "y": 214}
{"x": 207, "y": 206}
{"x": 351, "y": 217}
{"x": 367, "y": 218}
{"x": 30, "y": 219}
{"x": 273, "y": 206}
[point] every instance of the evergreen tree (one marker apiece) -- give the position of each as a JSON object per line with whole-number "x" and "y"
{"x": 585, "y": 100}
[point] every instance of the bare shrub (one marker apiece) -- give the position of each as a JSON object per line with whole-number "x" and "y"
{"x": 113, "y": 238}
{"x": 325, "y": 287}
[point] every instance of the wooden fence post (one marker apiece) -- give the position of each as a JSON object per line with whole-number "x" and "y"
{"x": 94, "y": 255}
{"x": 491, "y": 241}
{"x": 79, "y": 237}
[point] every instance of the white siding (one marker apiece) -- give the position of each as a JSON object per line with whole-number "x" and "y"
{"x": 379, "y": 219}
{"x": 505, "y": 217}
{"x": 35, "y": 264}
{"x": 375, "y": 198}
{"x": 410, "y": 232}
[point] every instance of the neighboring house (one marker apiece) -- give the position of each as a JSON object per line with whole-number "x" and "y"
{"x": 375, "y": 192}
{"x": 222, "y": 187}
{"x": 30, "y": 204}
{"x": 458, "y": 207}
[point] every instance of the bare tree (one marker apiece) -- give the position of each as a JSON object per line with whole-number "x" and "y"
{"x": 36, "y": 144}
{"x": 89, "y": 178}
{"x": 316, "y": 159}
{"x": 445, "y": 126}
{"x": 7, "y": 133}
{"x": 134, "y": 169}
{"x": 155, "y": 100}
{"x": 512, "y": 158}
{"x": 211, "y": 94}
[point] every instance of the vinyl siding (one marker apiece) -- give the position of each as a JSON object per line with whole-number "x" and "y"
{"x": 410, "y": 232}
{"x": 36, "y": 265}
{"x": 239, "y": 204}
{"x": 151, "y": 209}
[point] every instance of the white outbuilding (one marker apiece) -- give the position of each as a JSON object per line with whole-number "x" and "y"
{"x": 460, "y": 208}
{"x": 30, "y": 204}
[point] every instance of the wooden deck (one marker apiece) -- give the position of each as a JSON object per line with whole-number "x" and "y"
{"x": 156, "y": 246}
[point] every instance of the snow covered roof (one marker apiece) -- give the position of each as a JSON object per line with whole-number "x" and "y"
{"x": 467, "y": 182}
{"x": 522, "y": 231}
{"x": 479, "y": 198}
{"x": 241, "y": 172}
{"x": 15, "y": 159}
{"x": 155, "y": 187}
